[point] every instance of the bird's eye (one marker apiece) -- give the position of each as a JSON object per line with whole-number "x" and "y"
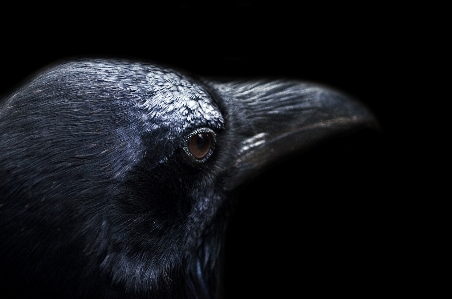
{"x": 199, "y": 144}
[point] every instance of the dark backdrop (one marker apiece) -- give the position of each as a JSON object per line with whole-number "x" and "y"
{"x": 328, "y": 221}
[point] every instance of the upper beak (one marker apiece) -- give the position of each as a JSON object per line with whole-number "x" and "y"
{"x": 274, "y": 119}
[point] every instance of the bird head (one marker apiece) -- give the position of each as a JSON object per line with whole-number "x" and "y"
{"x": 117, "y": 175}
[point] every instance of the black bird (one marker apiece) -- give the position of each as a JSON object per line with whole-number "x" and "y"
{"x": 116, "y": 175}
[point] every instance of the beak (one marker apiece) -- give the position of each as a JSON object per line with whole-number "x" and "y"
{"x": 273, "y": 120}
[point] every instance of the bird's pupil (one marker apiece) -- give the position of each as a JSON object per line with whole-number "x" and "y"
{"x": 202, "y": 141}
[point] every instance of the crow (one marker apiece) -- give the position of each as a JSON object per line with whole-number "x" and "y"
{"x": 118, "y": 175}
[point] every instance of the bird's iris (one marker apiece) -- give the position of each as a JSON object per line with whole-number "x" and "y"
{"x": 199, "y": 144}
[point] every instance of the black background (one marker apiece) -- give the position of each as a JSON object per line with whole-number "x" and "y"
{"x": 332, "y": 221}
